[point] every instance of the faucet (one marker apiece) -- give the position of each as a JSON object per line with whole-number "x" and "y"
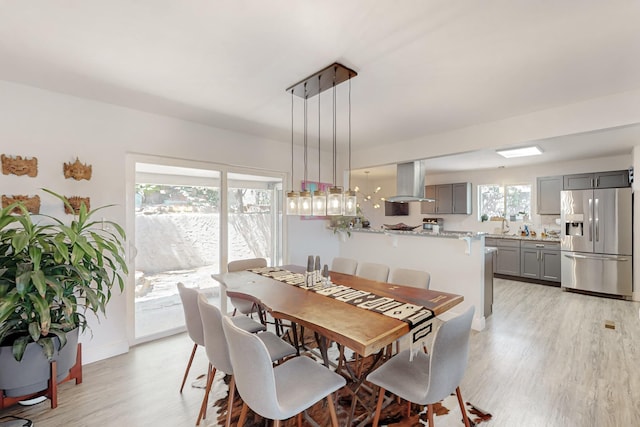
{"x": 504, "y": 225}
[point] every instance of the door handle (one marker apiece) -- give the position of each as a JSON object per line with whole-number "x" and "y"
{"x": 590, "y": 219}
{"x": 601, "y": 258}
{"x": 597, "y": 222}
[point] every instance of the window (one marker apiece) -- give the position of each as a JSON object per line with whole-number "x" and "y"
{"x": 497, "y": 200}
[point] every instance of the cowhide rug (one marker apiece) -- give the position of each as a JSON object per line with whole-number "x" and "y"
{"x": 447, "y": 413}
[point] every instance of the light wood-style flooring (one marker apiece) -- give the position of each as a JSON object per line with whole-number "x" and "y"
{"x": 545, "y": 359}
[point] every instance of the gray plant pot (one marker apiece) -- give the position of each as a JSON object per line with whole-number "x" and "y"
{"x": 31, "y": 374}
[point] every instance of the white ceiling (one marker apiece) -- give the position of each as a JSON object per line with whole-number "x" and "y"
{"x": 424, "y": 67}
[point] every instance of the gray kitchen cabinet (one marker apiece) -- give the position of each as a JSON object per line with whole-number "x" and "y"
{"x": 429, "y": 207}
{"x": 508, "y": 257}
{"x": 444, "y": 199}
{"x": 449, "y": 199}
{"x": 548, "y": 190}
{"x": 540, "y": 260}
{"x": 609, "y": 179}
{"x": 461, "y": 198}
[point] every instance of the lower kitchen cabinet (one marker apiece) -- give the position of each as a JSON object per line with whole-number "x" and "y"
{"x": 533, "y": 259}
{"x": 540, "y": 260}
{"x": 508, "y": 257}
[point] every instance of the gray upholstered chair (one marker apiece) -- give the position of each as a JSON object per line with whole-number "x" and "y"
{"x": 413, "y": 278}
{"x": 372, "y": 271}
{"x": 245, "y": 306}
{"x": 281, "y": 392}
{"x": 218, "y": 352}
{"x": 189, "y": 298}
{"x": 408, "y": 277}
{"x": 429, "y": 378}
{"x": 344, "y": 265}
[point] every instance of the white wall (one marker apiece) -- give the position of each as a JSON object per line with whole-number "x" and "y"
{"x": 57, "y": 128}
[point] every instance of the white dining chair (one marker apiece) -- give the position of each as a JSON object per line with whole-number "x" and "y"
{"x": 218, "y": 352}
{"x": 344, "y": 265}
{"x": 243, "y": 305}
{"x": 373, "y": 271}
{"x": 408, "y": 277}
{"x": 189, "y": 298}
{"x": 280, "y": 392}
{"x": 426, "y": 379}
{"x": 193, "y": 322}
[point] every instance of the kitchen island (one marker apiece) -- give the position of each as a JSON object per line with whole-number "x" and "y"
{"x": 455, "y": 261}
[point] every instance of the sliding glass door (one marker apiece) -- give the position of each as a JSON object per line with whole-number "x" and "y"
{"x": 189, "y": 222}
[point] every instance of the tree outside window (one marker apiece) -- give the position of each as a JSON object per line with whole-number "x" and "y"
{"x": 497, "y": 200}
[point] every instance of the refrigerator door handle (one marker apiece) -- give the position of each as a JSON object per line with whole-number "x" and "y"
{"x": 590, "y": 219}
{"x": 597, "y": 221}
{"x": 601, "y": 257}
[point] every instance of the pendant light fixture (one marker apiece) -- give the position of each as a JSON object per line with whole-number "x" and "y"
{"x": 334, "y": 203}
{"x": 350, "y": 201}
{"x": 292, "y": 196}
{"x": 335, "y": 198}
{"x": 319, "y": 196}
{"x": 304, "y": 202}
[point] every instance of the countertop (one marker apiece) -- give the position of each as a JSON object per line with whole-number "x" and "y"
{"x": 421, "y": 233}
{"x": 517, "y": 237}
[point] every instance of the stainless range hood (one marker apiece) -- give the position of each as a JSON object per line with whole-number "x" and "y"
{"x": 410, "y": 183}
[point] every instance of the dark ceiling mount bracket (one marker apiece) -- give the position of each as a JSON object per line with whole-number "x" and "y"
{"x": 315, "y": 86}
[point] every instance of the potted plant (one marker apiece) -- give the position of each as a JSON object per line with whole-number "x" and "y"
{"x": 51, "y": 276}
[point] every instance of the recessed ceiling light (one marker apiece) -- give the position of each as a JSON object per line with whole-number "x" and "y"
{"x": 520, "y": 152}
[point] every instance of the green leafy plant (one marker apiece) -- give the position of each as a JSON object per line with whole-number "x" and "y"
{"x": 51, "y": 275}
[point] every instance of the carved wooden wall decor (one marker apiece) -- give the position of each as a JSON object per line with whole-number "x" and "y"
{"x": 76, "y": 202}
{"x": 77, "y": 170}
{"x": 31, "y": 203}
{"x": 19, "y": 166}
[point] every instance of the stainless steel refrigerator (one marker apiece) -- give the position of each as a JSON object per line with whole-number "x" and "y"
{"x": 596, "y": 240}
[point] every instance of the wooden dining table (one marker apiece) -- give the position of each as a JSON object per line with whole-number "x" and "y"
{"x": 363, "y": 331}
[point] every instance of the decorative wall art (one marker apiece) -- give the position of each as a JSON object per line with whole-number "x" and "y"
{"x": 77, "y": 170}
{"x": 19, "y": 166}
{"x": 76, "y": 202}
{"x": 31, "y": 203}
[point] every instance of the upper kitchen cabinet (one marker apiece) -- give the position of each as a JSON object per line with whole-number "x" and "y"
{"x": 548, "y": 195}
{"x": 461, "y": 198}
{"x": 449, "y": 199}
{"x": 584, "y": 181}
{"x": 429, "y": 207}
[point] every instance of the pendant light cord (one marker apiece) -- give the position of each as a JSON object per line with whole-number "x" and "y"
{"x": 291, "y": 139}
{"x": 319, "y": 180}
{"x": 335, "y": 150}
{"x": 349, "y": 132}
{"x": 305, "y": 136}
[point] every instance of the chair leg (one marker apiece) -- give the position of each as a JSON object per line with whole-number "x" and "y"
{"x": 186, "y": 372}
{"x": 243, "y": 414}
{"x": 332, "y": 411}
{"x": 376, "y": 418}
{"x": 211, "y": 372}
{"x": 465, "y": 417}
{"x": 430, "y": 414}
{"x": 232, "y": 395}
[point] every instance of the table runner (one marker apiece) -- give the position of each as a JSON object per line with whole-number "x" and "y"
{"x": 414, "y": 315}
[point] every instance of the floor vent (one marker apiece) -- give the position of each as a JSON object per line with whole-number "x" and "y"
{"x": 609, "y": 324}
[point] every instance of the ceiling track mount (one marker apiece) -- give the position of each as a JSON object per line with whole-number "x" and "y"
{"x": 322, "y": 80}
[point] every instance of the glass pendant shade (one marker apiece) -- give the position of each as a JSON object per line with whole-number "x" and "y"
{"x": 350, "y": 203}
{"x": 334, "y": 201}
{"x": 319, "y": 203}
{"x": 292, "y": 203}
{"x": 304, "y": 203}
